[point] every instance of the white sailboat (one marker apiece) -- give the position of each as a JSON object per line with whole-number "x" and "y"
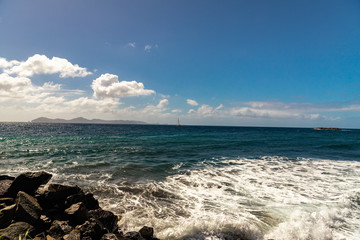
{"x": 178, "y": 123}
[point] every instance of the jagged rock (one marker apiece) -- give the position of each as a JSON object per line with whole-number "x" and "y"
{"x": 27, "y": 208}
{"x": 53, "y": 196}
{"x": 133, "y": 236}
{"x": 90, "y": 202}
{"x": 109, "y": 236}
{"x": 7, "y": 215}
{"x": 5, "y": 183}
{"x": 91, "y": 229}
{"x": 147, "y": 232}
{"x": 77, "y": 213}
{"x": 18, "y": 230}
{"x": 73, "y": 235}
{"x": 59, "y": 229}
{"x": 108, "y": 219}
{"x": 28, "y": 182}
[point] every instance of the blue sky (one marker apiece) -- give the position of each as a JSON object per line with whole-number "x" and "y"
{"x": 245, "y": 63}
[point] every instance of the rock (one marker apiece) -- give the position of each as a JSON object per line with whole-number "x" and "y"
{"x": 108, "y": 219}
{"x": 59, "y": 229}
{"x": 73, "y": 235}
{"x": 18, "y": 230}
{"x": 91, "y": 229}
{"x": 109, "y": 236}
{"x": 147, "y": 232}
{"x": 54, "y": 195}
{"x": 133, "y": 236}
{"x": 75, "y": 198}
{"x": 90, "y": 202}
{"x": 28, "y": 182}
{"x": 5, "y": 183}
{"x": 7, "y": 215}
{"x": 77, "y": 213}
{"x": 27, "y": 208}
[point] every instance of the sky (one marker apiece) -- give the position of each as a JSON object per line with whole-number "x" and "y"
{"x": 207, "y": 62}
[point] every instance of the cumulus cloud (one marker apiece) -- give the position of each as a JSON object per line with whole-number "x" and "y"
{"x": 41, "y": 64}
{"x": 147, "y": 48}
{"x": 9, "y": 83}
{"x": 192, "y": 102}
{"x": 108, "y": 86}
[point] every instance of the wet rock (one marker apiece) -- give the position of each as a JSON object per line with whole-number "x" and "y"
{"x": 59, "y": 229}
{"x": 18, "y": 230}
{"x": 73, "y": 235}
{"x": 7, "y": 215}
{"x": 91, "y": 229}
{"x": 5, "y": 183}
{"x": 27, "y": 208}
{"x": 77, "y": 213}
{"x": 90, "y": 202}
{"x": 133, "y": 236}
{"x": 28, "y": 182}
{"x": 108, "y": 219}
{"x": 75, "y": 198}
{"x": 147, "y": 232}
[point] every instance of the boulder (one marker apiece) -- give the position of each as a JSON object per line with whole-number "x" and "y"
{"x": 91, "y": 229}
{"x": 75, "y": 198}
{"x": 18, "y": 230}
{"x": 59, "y": 229}
{"x": 7, "y": 214}
{"x": 108, "y": 219}
{"x": 77, "y": 213}
{"x": 133, "y": 236}
{"x": 7, "y": 201}
{"x": 27, "y": 208}
{"x": 28, "y": 182}
{"x": 90, "y": 202}
{"x": 53, "y": 196}
{"x": 5, "y": 183}
{"x": 147, "y": 232}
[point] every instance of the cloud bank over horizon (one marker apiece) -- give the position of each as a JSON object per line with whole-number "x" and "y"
{"x": 22, "y": 100}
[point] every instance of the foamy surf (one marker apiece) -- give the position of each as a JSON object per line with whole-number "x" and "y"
{"x": 267, "y": 198}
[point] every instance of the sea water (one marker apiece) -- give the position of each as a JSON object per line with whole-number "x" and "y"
{"x": 197, "y": 182}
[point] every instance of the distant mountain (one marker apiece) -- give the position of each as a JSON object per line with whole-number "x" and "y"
{"x": 84, "y": 120}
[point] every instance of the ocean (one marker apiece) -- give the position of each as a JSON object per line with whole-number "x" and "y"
{"x": 202, "y": 182}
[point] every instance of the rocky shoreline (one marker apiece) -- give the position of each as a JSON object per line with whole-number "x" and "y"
{"x": 30, "y": 208}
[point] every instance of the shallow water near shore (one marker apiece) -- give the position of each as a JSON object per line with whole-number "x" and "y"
{"x": 196, "y": 182}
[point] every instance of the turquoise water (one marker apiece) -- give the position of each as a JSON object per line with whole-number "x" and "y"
{"x": 194, "y": 182}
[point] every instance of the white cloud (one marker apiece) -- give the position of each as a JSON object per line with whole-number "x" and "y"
{"x": 147, "y": 48}
{"x": 132, "y": 44}
{"x": 41, "y": 64}
{"x": 163, "y": 103}
{"x": 108, "y": 85}
{"x": 192, "y": 102}
{"x": 9, "y": 83}
{"x": 176, "y": 111}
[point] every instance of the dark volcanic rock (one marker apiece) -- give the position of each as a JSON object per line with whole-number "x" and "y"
{"x": 134, "y": 236}
{"x": 54, "y": 195}
{"x": 147, "y": 232}
{"x": 91, "y": 229}
{"x": 108, "y": 219}
{"x": 27, "y": 208}
{"x": 7, "y": 201}
{"x": 28, "y": 182}
{"x": 59, "y": 229}
{"x": 7, "y": 215}
{"x": 109, "y": 236}
{"x": 77, "y": 213}
{"x": 17, "y": 230}
{"x": 5, "y": 183}
{"x": 90, "y": 202}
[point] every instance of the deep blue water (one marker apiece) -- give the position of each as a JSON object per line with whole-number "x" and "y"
{"x": 136, "y": 163}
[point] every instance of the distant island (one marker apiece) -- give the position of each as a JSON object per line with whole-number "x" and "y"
{"x": 82, "y": 120}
